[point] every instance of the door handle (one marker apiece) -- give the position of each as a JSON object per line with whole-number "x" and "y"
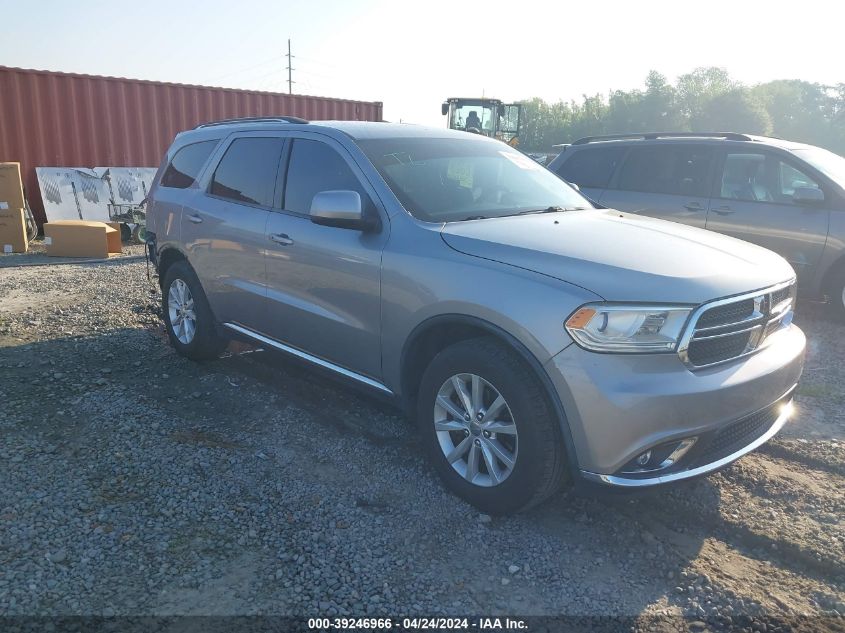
{"x": 281, "y": 238}
{"x": 723, "y": 210}
{"x": 195, "y": 218}
{"x": 693, "y": 206}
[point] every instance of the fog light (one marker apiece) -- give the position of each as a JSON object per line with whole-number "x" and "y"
{"x": 659, "y": 457}
{"x": 643, "y": 459}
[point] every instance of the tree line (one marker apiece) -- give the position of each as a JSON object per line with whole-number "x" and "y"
{"x": 706, "y": 99}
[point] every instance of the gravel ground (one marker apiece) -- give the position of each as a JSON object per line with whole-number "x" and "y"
{"x": 136, "y": 482}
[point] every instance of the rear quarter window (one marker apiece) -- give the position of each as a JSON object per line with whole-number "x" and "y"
{"x": 591, "y": 167}
{"x": 183, "y": 170}
{"x": 248, "y": 171}
{"x": 668, "y": 169}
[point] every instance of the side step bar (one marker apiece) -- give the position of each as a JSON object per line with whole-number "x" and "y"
{"x": 308, "y": 357}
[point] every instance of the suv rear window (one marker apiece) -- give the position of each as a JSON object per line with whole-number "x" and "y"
{"x": 591, "y": 167}
{"x": 186, "y": 164}
{"x": 248, "y": 171}
{"x": 679, "y": 170}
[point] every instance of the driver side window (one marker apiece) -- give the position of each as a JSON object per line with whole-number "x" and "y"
{"x": 792, "y": 179}
{"x": 758, "y": 177}
{"x": 313, "y": 167}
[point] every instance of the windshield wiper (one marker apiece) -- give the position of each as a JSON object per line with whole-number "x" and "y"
{"x": 552, "y": 209}
{"x": 475, "y": 217}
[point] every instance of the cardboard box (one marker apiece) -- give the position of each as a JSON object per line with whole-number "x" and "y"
{"x": 81, "y": 238}
{"x": 13, "y": 231}
{"x": 11, "y": 187}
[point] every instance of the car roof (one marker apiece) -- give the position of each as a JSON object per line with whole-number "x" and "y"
{"x": 357, "y": 130}
{"x": 686, "y": 138}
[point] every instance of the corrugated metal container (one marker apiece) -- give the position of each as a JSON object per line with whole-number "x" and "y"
{"x": 67, "y": 120}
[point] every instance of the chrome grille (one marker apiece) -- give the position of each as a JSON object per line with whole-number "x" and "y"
{"x": 728, "y": 313}
{"x": 707, "y": 352}
{"x": 730, "y": 328}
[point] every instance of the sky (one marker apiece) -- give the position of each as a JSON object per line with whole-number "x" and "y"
{"x": 412, "y": 55}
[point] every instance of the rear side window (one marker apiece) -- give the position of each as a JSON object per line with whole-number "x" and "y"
{"x": 183, "y": 170}
{"x": 316, "y": 167}
{"x": 678, "y": 170}
{"x": 591, "y": 167}
{"x": 247, "y": 173}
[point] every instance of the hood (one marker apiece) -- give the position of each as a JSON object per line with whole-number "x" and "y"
{"x": 623, "y": 257}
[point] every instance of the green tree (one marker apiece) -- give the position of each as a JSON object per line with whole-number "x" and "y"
{"x": 799, "y": 108}
{"x": 735, "y": 111}
{"x": 705, "y": 99}
{"x": 695, "y": 89}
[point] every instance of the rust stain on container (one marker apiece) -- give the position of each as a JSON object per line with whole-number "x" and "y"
{"x": 55, "y": 119}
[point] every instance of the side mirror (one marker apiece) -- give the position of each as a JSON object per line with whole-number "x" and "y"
{"x": 807, "y": 195}
{"x": 444, "y": 108}
{"x": 341, "y": 209}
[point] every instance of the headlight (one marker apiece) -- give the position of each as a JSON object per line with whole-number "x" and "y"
{"x": 604, "y": 327}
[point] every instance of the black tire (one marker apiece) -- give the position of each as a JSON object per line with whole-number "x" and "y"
{"x": 139, "y": 234}
{"x": 836, "y": 294}
{"x": 539, "y": 470}
{"x": 205, "y": 344}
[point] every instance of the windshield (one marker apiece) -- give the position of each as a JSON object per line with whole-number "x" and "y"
{"x": 830, "y": 164}
{"x": 450, "y": 179}
{"x": 467, "y": 116}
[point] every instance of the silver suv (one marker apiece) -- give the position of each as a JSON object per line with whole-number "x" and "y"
{"x": 782, "y": 195}
{"x": 535, "y": 340}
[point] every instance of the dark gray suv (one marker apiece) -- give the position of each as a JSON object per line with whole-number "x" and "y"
{"x": 785, "y": 196}
{"x": 535, "y": 339}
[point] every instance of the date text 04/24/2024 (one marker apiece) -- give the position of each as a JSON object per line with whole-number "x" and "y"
{"x": 419, "y": 623}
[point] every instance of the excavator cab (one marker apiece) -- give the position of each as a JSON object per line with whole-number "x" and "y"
{"x": 489, "y": 117}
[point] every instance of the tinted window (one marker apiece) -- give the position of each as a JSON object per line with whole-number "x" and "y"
{"x": 248, "y": 171}
{"x": 591, "y": 167}
{"x": 316, "y": 167}
{"x": 186, "y": 164}
{"x": 682, "y": 171}
{"x": 760, "y": 177}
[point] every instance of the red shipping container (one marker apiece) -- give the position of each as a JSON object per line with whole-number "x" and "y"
{"x": 52, "y": 119}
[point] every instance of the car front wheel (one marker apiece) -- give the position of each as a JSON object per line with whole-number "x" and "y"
{"x": 485, "y": 419}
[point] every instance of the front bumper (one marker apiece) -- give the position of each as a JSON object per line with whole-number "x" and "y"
{"x": 620, "y": 405}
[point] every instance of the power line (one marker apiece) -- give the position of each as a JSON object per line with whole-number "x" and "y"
{"x": 241, "y": 71}
{"x": 317, "y": 61}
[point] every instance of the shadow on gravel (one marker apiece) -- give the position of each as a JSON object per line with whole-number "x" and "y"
{"x": 572, "y": 556}
{"x": 613, "y": 555}
{"x": 342, "y": 461}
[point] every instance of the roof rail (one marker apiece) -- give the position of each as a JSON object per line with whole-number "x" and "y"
{"x": 254, "y": 119}
{"x": 730, "y": 136}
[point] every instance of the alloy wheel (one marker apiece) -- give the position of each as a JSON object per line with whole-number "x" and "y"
{"x": 476, "y": 430}
{"x": 180, "y": 306}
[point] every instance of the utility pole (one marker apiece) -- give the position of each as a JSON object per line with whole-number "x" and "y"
{"x": 290, "y": 70}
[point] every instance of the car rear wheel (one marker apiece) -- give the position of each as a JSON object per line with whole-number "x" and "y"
{"x": 187, "y": 316}
{"x": 487, "y": 424}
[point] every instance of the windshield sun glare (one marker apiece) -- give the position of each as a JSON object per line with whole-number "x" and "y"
{"x": 450, "y": 179}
